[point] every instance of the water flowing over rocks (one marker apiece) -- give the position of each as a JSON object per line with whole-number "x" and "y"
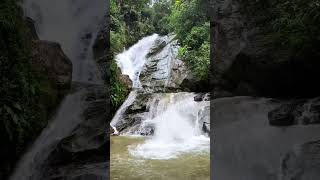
{"x": 160, "y": 74}
{"x": 73, "y": 145}
{"x": 255, "y": 149}
{"x": 262, "y": 134}
{"x": 163, "y": 71}
{"x": 157, "y": 107}
{"x": 82, "y": 154}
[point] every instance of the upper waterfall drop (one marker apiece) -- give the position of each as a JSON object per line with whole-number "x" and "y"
{"x": 132, "y": 61}
{"x": 74, "y": 25}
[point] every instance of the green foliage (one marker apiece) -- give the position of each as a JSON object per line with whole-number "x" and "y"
{"x": 190, "y": 23}
{"x": 119, "y": 91}
{"x": 18, "y": 81}
{"x": 20, "y": 115}
{"x": 296, "y": 25}
{"x": 132, "y": 20}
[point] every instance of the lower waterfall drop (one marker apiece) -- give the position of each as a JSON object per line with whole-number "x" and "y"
{"x": 177, "y": 129}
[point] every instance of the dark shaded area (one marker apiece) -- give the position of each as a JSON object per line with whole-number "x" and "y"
{"x": 30, "y": 88}
{"x": 265, "y": 49}
{"x": 268, "y": 48}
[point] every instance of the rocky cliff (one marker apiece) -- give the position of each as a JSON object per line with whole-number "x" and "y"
{"x": 84, "y": 153}
{"x": 264, "y": 138}
{"x": 55, "y": 67}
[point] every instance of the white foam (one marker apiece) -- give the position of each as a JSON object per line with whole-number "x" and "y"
{"x": 177, "y": 131}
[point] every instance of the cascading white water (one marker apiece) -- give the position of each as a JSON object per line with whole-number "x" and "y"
{"x": 68, "y": 22}
{"x": 132, "y": 61}
{"x": 132, "y": 96}
{"x": 74, "y": 25}
{"x": 29, "y": 167}
{"x": 175, "y": 118}
{"x": 177, "y": 128}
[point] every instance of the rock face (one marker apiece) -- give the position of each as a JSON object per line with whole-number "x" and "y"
{"x": 83, "y": 155}
{"x": 134, "y": 112}
{"x": 49, "y": 58}
{"x": 302, "y": 163}
{"x": 135, "y": 119}
{"x": 260, "y": 131}
{"x": 298, "y": 112}
{"x": 255, "y": 149}
{"x": 101, "y": 49}
{"x": 244, "y": 63}
{"x": 163, "y": 71}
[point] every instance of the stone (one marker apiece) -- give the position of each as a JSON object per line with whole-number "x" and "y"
{"x": 49, "y": 58}
{"x": 302, "y": 163}
{"x": 304, "y": 112}
{"x": 163, "y": 71}
{"x": 283, "y": 116}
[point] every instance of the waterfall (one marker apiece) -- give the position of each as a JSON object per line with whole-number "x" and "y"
{"x": 177, "y": 128}
{"x": 173, "y": 121}
{"x": 132, "y": 61}
{"x": 74, "y": 24}
{"x": 124, "y": 106}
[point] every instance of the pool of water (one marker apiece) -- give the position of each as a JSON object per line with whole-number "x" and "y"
{"x": 125, "y": 166}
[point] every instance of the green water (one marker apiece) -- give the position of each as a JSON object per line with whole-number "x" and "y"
{"x": 124, "y": 166}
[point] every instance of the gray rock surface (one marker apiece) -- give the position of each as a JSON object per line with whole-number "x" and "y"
{"x": 83, "y": 155}
{"x": 297, "y": 112}
{"x": 163, "y": 71}
{"x": 247, "y": 147}
{"x": 302, "y": 163}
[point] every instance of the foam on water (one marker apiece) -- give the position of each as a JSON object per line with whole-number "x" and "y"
{"x": 177, "y": 130}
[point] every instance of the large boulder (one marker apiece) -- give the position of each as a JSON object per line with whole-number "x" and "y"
{"x": 48, "y": 57}
{"x": 163, "y": 71}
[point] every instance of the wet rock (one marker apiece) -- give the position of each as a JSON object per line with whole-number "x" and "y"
{"x": 206, "y": 127}
{"x": 83, "y": 153}
{"x": 111, "y": 130}
{"x": 163, "y": 71}
{"x": 302, "y": 163}
{"x": 283, "y": 116}
{"x": 297, "y": 112}
{"x": 202, "y": 97}
{"x": 159, "y": 45}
